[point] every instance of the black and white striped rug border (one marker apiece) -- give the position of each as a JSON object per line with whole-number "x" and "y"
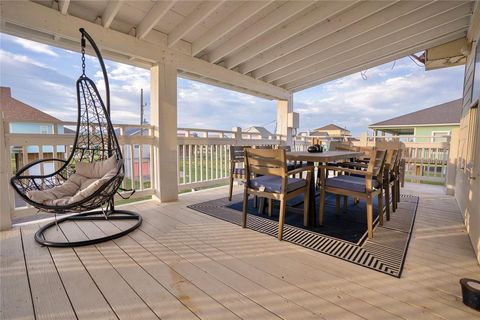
{"x": 372, "y": 254}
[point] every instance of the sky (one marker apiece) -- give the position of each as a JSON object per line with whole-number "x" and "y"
{"x": 44, "y": 77}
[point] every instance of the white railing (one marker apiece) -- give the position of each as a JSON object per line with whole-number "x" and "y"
{"x": 23, "y": 148}
{"x": 203, "y": 156}
{"x": 425, "y": 157}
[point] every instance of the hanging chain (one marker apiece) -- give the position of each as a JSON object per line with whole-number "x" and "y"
{"x": 83, "y": 54}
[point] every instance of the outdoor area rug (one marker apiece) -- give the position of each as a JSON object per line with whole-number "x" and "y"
{"x": 343, "y": 236}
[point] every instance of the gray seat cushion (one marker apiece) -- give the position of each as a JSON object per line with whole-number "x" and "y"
{"x": 274, "y": 184}
{"x": 351, "y": 183}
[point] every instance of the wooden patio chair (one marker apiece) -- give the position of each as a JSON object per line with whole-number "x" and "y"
{"x": 359, "y": 184}
{"x": 237, "y": 168}
{"x": 389, "y": 180}
{"x": 272, "y": 181}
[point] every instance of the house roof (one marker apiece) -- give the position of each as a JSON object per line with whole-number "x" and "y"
{"x": 319, "y": 134}
{"x": 260, "y": 130}
{"x": 330, "y": 126}
{"x": 446, "y": 113}
{"x": 15, "y": 110}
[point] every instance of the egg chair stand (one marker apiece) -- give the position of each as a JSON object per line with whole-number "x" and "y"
{"x": 95, "y": 140}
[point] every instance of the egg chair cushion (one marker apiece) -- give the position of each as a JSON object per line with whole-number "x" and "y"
{"x": 96, "y": 169}
{"x": 79, "y": 186}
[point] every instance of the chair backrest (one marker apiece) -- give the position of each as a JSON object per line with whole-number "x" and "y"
{"x": 342, "y": 146}
{"x": 377, "y": 163}
{"x": 264, "y": 147}
{"x": 237, "y": 153}
{"x": 266, "y": 162}
{"x": 391, "y": 158}
{"x": 286, "y": 148}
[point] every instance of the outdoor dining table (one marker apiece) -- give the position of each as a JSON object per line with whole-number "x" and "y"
{"x": 315, "y": 159}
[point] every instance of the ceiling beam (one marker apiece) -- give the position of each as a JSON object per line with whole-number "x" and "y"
{"x": 199, "y": 14}
{"x": 381, "y": 19}
{"x": 355, "y": 58}
{"x": 233, "y": 20}
{"x": 419, "y": 21}
{"x": 43, "y": 22}
{"x": 379, "y": 61}
{"x": 258, "y": 28}
{"x": 110, "y": 12}
{"x": 323, "y": 11}
{"x": 319, "y": 31}
{"x": 151, "y": 19}
{"x": 63, "y": 6}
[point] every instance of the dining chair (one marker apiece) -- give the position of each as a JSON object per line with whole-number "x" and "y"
{"x": 267, "y": 177}
{"x": 360, "y": 184}
{"x": 237, "y": 167}
{"x": 389, "y": 180}
{"x": 397, "y": 172}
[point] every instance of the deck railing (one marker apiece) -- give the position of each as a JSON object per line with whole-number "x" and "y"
{"x": 203, "y": 156}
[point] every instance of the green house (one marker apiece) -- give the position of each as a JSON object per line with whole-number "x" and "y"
{"x": 430, "y": 124}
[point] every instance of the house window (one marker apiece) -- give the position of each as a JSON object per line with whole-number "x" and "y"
{"x": 44, "y": 129}
{"x": 440, "y": 136}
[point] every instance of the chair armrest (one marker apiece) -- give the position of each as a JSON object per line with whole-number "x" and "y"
{"x": 351, "y": 171}
{"x": 299, "y": 170}
{"x": 34, "y": 163}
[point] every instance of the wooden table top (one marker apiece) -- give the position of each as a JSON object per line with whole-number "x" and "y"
{"x": 325, "y": 156}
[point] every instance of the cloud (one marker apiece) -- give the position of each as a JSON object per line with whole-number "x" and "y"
{"x": 387, "y": 92}
{"x": 7, "y": 57}
{"x": 36, "y": 47}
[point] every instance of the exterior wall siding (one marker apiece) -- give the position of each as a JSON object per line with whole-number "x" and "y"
{"x": 467, "y": 181}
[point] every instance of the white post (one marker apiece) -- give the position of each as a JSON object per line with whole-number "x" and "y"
{"x": 5, "y": 215}
{"x": 163, "y": 97}
{"x": 284, "y": 107}
{"x": 237, "y": 135}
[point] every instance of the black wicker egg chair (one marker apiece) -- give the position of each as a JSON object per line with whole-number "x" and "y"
{"x": 95, "y": 140}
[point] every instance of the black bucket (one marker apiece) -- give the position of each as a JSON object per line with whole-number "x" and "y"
{"x": 471, "y": 293}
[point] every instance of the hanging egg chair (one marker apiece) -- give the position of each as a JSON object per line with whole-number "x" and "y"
{"x": 84, "y": 185}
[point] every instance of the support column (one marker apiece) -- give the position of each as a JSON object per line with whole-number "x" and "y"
{"x": 5, "y": 215}
{"x": 163, "y": 97}
{"x": 284, "y": 107}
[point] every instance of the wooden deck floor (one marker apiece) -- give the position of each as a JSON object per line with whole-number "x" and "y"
{"x": 185, "y": 265}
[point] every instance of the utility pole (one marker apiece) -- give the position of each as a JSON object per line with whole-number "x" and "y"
{"x": 141, "y": 111}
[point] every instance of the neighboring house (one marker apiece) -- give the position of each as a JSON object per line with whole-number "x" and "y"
{"x": 331, "y": 132}
{"x": 430, "y": 124}
{"x": 23, "y": 118}
{"x": 260, "y": 132}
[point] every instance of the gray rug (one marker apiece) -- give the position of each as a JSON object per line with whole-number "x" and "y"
{"x": 385, "y": 252}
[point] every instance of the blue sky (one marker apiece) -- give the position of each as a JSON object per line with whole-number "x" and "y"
{"x": 44, "y": 77}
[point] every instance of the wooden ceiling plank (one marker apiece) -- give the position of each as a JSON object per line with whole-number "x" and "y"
{"x": 356, "y": 59}
{"x": 323, "y": 11}
{"x": 378, "y": 37}
{"x": 379, "y": 61}
{"x": 110, "y": 12}
{"x": 151, "y": 19}
{"x": 258, "y": 28}
{"x": 201, "y": 12}
{"x": 228, "y": 24}
{"x": 315, "y": 33}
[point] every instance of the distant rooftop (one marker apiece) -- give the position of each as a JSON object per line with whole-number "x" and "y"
{"x": 15, "y": 110}
{"x": 260, "y": 130}
{"x": 330, "y": 126}
{"x": 446, "y": 113}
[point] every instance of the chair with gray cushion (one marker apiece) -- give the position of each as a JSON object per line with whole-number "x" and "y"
{"x": 358, "y": 184}
{"x": 267, "y": 177}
